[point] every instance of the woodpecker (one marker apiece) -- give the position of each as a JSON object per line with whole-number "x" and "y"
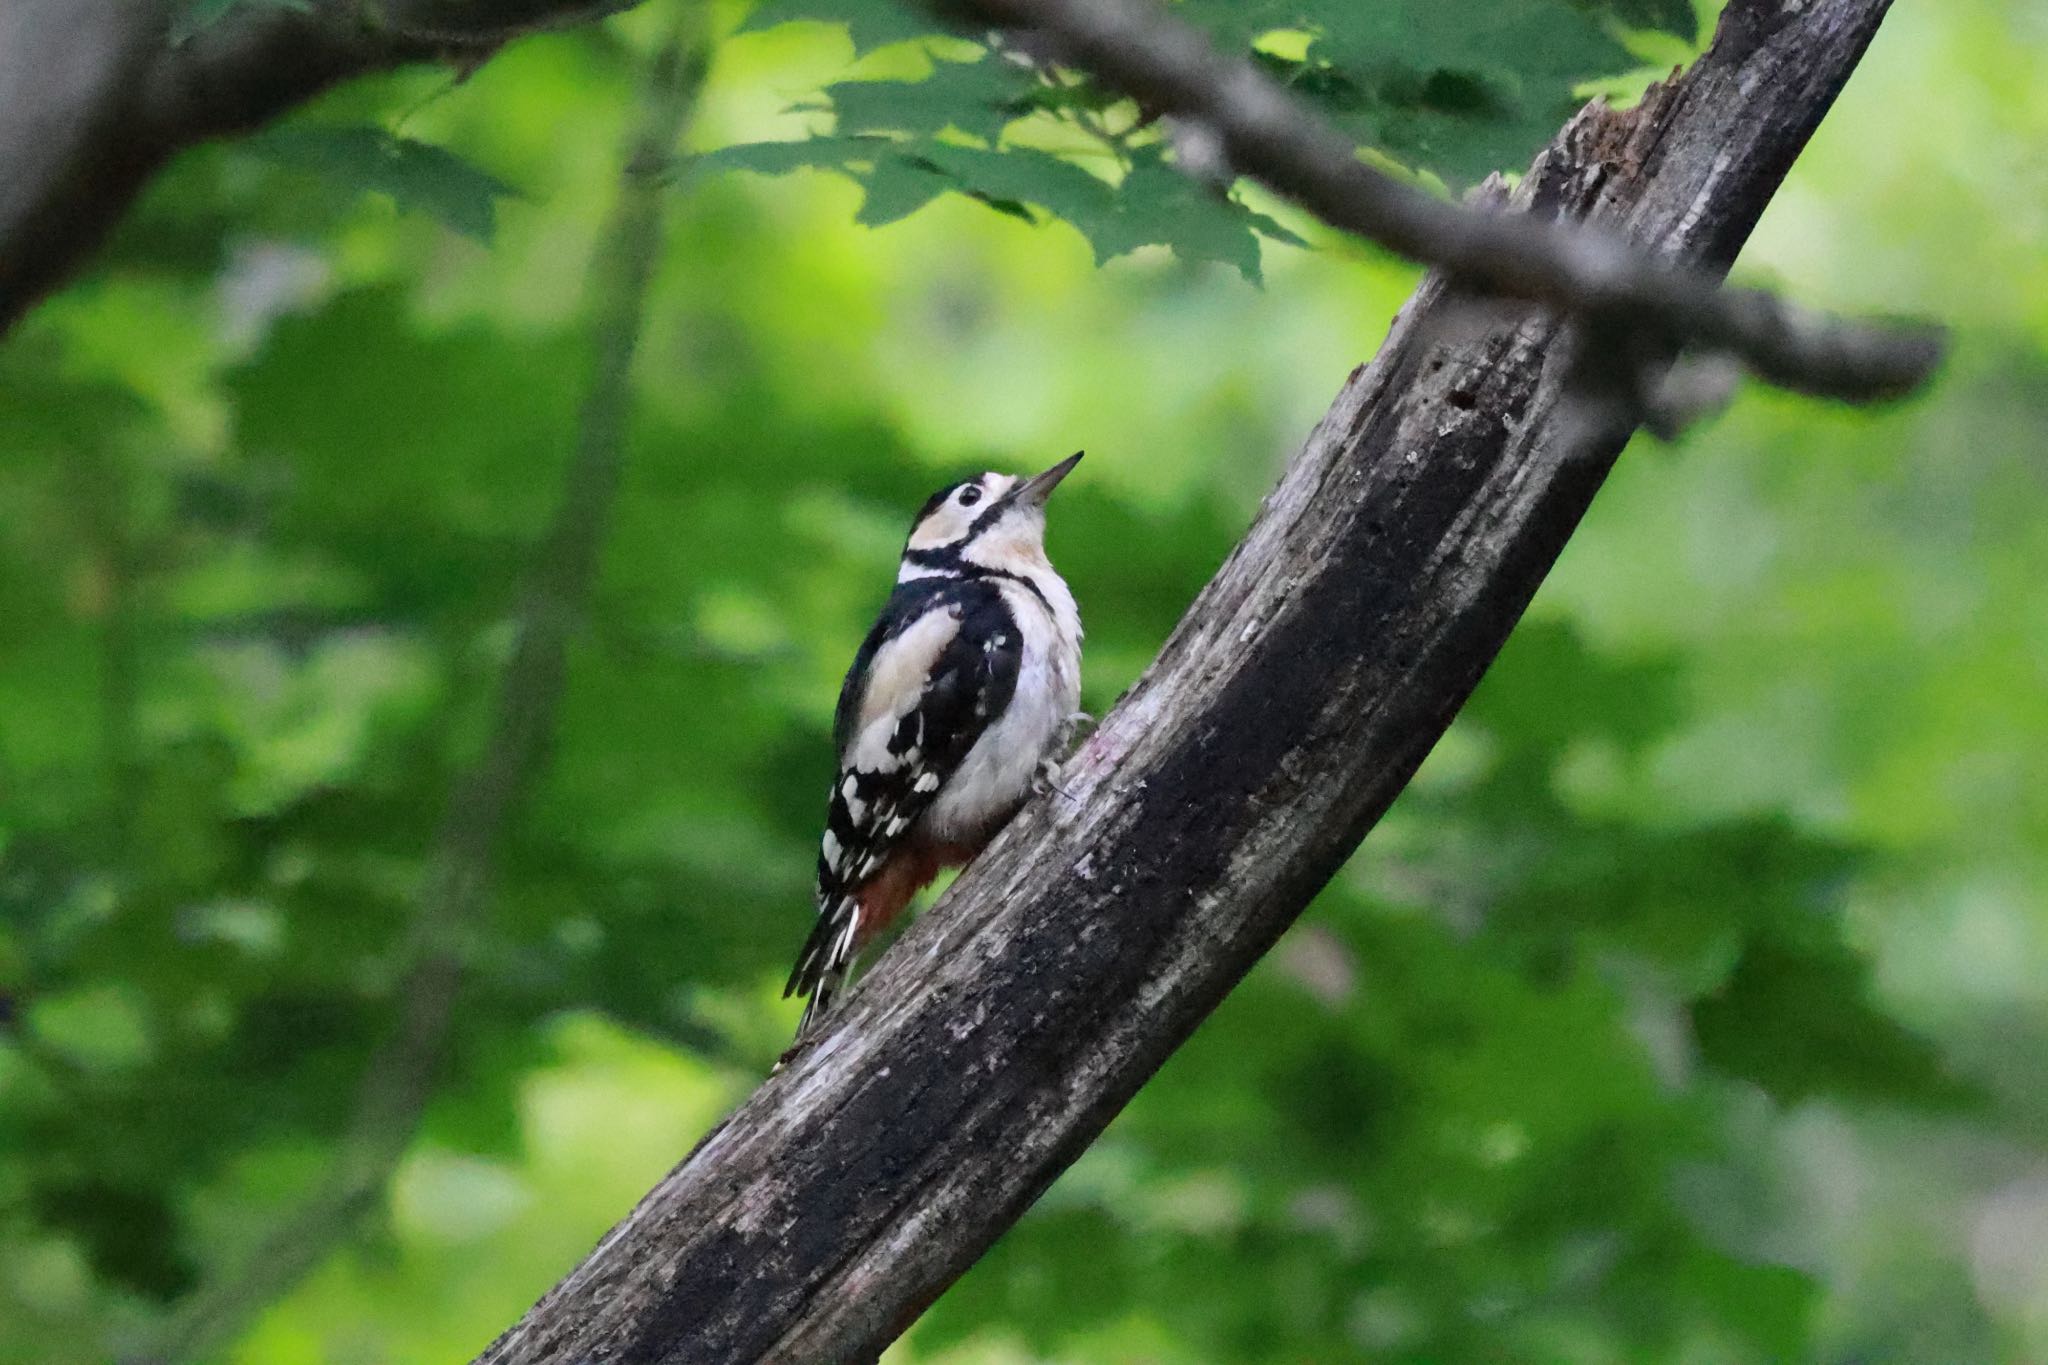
{"x": 953, "y": 710}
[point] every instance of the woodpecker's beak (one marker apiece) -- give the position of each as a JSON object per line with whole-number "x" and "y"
{"x": 1035, "y": 491}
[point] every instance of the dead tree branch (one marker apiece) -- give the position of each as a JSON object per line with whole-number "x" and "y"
{"x": 1300, "y": 692}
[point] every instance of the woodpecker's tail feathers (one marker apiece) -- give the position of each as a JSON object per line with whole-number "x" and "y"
{"x": 821, "y": 968}
{"x": 820, "y": 1002}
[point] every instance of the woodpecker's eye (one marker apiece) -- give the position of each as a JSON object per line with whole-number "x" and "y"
{"x": 970, "y": 495}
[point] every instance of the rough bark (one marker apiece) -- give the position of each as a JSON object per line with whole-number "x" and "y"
{"x": 1291, "y": 705}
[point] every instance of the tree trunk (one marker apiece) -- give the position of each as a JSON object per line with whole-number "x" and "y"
{"x": 1005, "y": 1029}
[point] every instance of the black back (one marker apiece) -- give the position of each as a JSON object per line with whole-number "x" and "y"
{"x": 983, "y": 616}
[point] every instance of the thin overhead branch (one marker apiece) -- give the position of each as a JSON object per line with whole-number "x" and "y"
{"x": 462, "y": 865}
{"x": 1138, "y": 47}
{"x": 1007, "y": 1027}
{"x": 96, "y": 95}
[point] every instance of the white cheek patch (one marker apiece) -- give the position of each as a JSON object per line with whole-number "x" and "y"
{"x": 945, "y": 525}
{"x": 935, "y": 530}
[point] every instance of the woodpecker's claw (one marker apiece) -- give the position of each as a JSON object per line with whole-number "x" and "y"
{"x": 1042, "y": 781}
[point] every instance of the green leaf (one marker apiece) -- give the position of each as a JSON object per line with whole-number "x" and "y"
{"x": 977, "y": 98}
{"x": 780, "y": 158}
{"x": 1796, "y": 1017}
{"x": 903, "y": 175}
{"x": 899, "y": 186}
{"x": 416, "y": 176}
{"x": 1024, "y": 175}
{"x": 1268, "y": 226}
{"x": 1156, "y": 204}
{"x": 1458, "y": 89}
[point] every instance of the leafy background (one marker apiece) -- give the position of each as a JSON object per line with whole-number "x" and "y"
{"x": 1692, "y": 1006}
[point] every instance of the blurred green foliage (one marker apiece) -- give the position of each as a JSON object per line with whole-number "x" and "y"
{"x": 1692, "y": 1005}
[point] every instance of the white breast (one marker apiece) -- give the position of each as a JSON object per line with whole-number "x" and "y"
{"x": 995, "y": 777}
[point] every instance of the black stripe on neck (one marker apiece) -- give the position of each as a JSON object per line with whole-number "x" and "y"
{"x": 938, "y": 557}
{"x": 947, "y": 561}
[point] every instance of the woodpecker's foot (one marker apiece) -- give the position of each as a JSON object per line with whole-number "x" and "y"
{"x": 806, "y": 1034}
{"x": 1046, "y": 779}
{"x": 1074, "y": 730}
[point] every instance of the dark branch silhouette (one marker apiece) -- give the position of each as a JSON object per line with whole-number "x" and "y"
{"x": 96, "y": 96}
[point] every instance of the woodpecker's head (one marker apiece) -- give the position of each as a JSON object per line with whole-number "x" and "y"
{"x": 994, "y": 521}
